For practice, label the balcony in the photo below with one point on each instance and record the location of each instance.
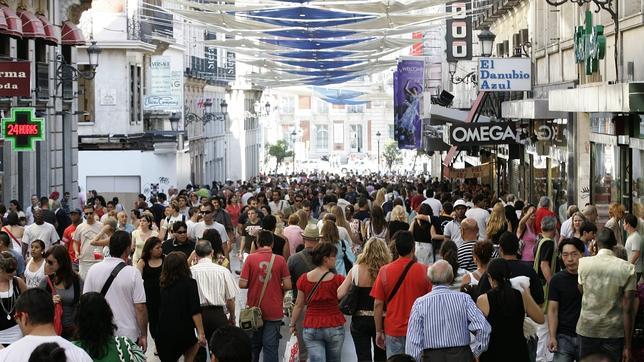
(149, 24)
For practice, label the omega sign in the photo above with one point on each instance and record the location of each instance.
(505, 74)
(483, 133)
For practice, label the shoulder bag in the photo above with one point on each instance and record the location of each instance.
(315, 287)
(345, 258)
(349, 303)
(250, 318)
(108, 283)
(58, 309)
(399, 282)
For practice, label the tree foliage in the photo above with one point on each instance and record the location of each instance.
(280, 151)
(391, 153)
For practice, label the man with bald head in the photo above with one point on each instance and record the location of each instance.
(441, 320)
(469, 233)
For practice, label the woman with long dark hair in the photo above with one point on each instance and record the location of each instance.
(179, 312)
(35, 268)
(150, 266)
(375, 225)
(66, 283)
(95, 333)
(219, 255)
(142, 234)
(10, 289)
(505, 309)
(15, 230)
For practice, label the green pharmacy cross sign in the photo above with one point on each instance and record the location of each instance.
(23, 129)
(590, 44)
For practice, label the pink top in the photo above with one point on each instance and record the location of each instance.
(294, 235)
(529, 241)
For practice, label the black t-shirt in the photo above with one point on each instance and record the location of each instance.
(361, 215)
(171, 245)
(545, 254)
(250, 239)
(518, 268)
(278, 244)
(564, 290)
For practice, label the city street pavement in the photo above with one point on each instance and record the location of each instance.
(348, 351)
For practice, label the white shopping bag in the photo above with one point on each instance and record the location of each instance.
(292, 351)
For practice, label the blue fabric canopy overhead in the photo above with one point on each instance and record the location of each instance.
(308, 24)
(313, 55)
(322, 73)
(310, 34)
(349, 102)
(321, 64)
(304, 13)
(327, 81)
(337, 93)
(313, 44)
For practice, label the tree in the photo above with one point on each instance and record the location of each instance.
(280, 151)
(391, 153)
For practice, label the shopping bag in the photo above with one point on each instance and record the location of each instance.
(292, 351)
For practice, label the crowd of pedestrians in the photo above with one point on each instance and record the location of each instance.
(424, 270)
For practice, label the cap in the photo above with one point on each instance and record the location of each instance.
(76, 211)
(460, 202)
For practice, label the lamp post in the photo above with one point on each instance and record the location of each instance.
(378, 134)
(293, 136)
(486, 38)
(455, 79)
(67, 72)
(174, 121)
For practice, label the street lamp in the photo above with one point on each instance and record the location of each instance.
(174, 121)
(455, 79)
(67, 72)
(224, 106)
(378, 134)
(486, 38)
(293, 137)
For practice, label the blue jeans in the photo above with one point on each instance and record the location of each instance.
(567, 348)
(395, 345)
(324, 344)
(268, 339)
(606, 347)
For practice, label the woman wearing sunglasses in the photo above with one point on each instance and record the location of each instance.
(58, 267)
(10, 288)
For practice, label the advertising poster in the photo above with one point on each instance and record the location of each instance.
(408, 93)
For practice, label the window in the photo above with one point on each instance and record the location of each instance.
(287, 104)
(86, 99)
(355, 108)
(321, 106)
(356, 138)
(135, 93)
(304, 102)
(321, 138)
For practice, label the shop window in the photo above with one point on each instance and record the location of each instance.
(606, 177)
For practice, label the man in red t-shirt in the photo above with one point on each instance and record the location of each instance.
(415, 284)
(253, 274)
(76, 217)
(542, 211)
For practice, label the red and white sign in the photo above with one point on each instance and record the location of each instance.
(15, 79)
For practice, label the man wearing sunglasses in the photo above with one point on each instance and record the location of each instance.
(208, 222)
(88, 254)
(179, 241)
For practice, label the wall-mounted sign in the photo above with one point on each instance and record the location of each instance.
(504, 74)
(23, 129)
(15, 79)
(590, 44)
(161, 96)
(458, 37)
(483, 133)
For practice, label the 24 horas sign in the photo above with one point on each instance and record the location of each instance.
(15, 79)
(504, 74)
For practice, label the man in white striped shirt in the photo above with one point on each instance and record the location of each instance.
(216, 289)
(441, 321)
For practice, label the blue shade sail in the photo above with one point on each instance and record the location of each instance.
(320, 64)
(313, 55)
(313, 44)
(327, 81)
(337, 93)
(292, 23)
(303, 13)
(310, 34)
(349, 102)
(322, 73)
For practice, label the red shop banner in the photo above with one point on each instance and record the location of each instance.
(15, 79)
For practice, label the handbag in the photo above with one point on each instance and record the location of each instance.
(250, 318)
(349, 303)
(348, 264)
(58, 309)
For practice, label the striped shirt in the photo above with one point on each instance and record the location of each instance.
(465, 256)
(444, 319)
(215, 283)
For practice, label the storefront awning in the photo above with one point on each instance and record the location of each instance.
(599, 97)
(71, 34)
(52, 36)
(32, 27)
(14, 24)
(529, 109)
(441, 115)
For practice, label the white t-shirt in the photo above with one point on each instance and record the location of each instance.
(452, 231)
(435, 205)
(84, 234)
(201, 227)
(126, 291)
(633, 244)
(481, 216)
(21, 350)
(566, 229)
(279, 206)
(45, 232)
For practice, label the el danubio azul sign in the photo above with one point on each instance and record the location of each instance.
(505, 74)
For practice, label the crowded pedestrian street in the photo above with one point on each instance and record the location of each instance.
(322, 180)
